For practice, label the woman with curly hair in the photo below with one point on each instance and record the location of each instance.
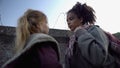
(88, 46)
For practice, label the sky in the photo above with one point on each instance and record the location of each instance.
(107, 12)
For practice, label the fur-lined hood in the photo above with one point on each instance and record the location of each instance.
(33, 39)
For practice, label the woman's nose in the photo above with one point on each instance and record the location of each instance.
(68, 23)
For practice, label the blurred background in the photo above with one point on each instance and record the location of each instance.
(107, 12)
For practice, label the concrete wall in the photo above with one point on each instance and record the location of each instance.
(7, 36)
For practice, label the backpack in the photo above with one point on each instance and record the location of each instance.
(114, 48)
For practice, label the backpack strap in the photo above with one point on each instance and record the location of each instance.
(114, 43)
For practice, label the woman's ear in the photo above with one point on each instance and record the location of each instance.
(81, 20)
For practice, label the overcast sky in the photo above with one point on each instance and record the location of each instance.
(107, 12)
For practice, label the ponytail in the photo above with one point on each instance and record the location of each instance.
(22, 33)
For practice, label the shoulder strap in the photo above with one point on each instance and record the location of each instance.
(114, 43)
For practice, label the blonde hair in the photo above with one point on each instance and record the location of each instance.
(28, 24)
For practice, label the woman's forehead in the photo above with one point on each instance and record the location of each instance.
(71, 14)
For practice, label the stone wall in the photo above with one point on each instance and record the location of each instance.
(7, 36)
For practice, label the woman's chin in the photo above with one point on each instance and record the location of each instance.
(72, 29)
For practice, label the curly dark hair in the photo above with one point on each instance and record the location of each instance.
(84, 11)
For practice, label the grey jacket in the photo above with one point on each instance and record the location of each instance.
(91, 50)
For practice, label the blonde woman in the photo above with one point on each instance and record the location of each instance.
(34, 48)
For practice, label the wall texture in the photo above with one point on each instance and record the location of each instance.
(7, 36)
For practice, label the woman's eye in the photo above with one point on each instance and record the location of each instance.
(71, 18)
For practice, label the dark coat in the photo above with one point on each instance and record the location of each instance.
(90, 50)
(40, 51)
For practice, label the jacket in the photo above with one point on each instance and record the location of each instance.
(90, 50)
(40, 51)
